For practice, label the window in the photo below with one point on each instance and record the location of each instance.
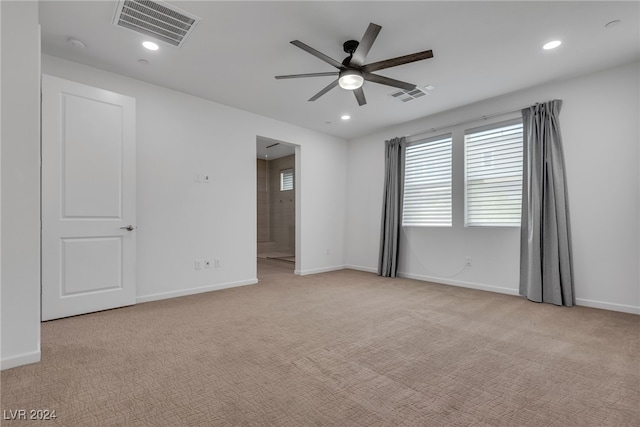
(286, 179)
(427, 183)
(493, 175)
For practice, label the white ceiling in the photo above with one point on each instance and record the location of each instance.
(481, 50)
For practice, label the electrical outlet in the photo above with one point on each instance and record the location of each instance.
(205, 178)
(217, 263)
(198, 264)
(207, 263)
(468, 261)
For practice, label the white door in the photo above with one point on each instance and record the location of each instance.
(88, 199)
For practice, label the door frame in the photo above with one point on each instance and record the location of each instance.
(297, 188)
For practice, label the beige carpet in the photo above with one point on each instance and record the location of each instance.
(337, 349)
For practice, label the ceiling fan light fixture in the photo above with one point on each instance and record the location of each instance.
(350, 79)
(354, 70)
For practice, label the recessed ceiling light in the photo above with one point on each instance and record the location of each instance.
(612, 24)
(552, 45)
(76, 43)
(150, 45)
(345, 117)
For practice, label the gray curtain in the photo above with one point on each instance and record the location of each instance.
(391, 207)
(545, 241)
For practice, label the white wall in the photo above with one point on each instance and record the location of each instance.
(599, 124)
(20, 151)
(179, 220)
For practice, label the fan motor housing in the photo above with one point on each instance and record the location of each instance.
(350, 46)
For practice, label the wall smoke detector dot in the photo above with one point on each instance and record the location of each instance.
(76, 43)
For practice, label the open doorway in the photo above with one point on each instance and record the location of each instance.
(276, 174)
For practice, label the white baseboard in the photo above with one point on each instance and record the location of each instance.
(192, 291)
(319, 270)
(361, 268)
(23, 359)
(470, 285)
(608, 306)
(579, 301)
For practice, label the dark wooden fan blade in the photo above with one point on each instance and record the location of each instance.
(394, 62)
(365, 44)
(325, 90)
(296, 76)
(388, 81)
(317, 54)
(359, 93)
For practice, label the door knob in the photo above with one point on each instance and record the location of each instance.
(128, 227)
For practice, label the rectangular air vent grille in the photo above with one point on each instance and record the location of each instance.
(155, 19)
(408, 95)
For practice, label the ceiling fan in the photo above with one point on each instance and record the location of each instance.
(353, 71)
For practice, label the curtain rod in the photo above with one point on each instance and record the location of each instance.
(484, 117)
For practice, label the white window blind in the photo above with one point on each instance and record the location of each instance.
(493, 175)
(286, 179)
(427, 183)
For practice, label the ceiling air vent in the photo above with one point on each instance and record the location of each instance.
(155, 19)
(408, 95)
